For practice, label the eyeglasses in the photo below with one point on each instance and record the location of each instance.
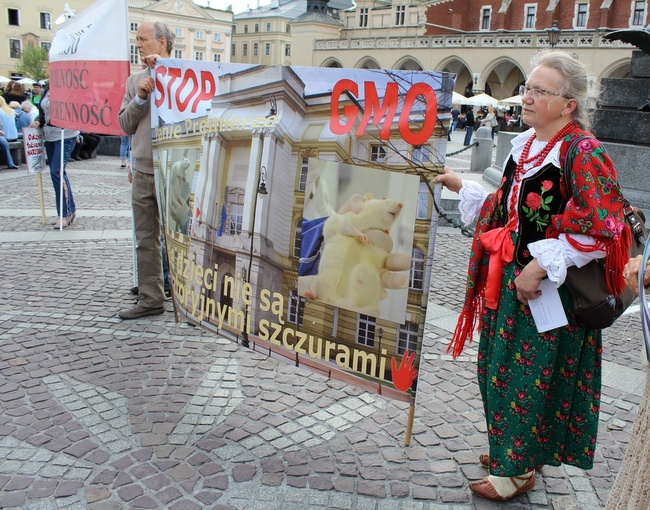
(537, 92)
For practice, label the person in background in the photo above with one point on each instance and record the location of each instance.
(85, 146)
(125, 148)
(14, 91)
(469, 126)
(490, 120)
(8, 131)
(22, 119)
(53, 149)
(455, 113)
(30, 110)
(154, 40)
(540, 390)
(36, 94)
(631, 490)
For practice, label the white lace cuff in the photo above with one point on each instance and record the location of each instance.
(472, 195)
(555, 255)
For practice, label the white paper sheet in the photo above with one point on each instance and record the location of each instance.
(547, 309)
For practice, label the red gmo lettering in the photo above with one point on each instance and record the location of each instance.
(375, 110)
(180, 89)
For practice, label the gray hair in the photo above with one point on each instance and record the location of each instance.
(575, 83)
(161, 30)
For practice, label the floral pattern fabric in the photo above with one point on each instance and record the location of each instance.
(541, 392)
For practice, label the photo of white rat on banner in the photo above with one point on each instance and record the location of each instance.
(357, 238)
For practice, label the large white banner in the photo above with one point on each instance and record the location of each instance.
(89, 65)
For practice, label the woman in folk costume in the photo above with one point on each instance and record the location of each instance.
(540, 391)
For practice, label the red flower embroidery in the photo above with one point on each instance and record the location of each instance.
(533, 200)
(547, 185)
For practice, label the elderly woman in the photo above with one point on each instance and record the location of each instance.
(30, 110)
(540, 391)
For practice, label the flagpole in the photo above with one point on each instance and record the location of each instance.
(61, 182)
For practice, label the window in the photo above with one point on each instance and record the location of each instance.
(400, 11)
(198, 55)
(531, 11)
(297, 239)
(257, 27)
(421, 153)
(366, 331)
(581, 15)
(407, 338)
(234, 29)
(133, 27)
(232, 50)
(267, 49)
(638, 17)
(302, 185)
(178, 53)
(268, 27)
(296, 307)
(236, 207)
(12, 17)
(14, 48)
(134, 55)
(245, 29)
(199, 35)
(288, 30)
(217, 37)
(46, 46)
(363, 17)
(178, 32)
(244, 50)
(287, 50)
(422, 212)
(377, 153)
(486, 13)
(46, 23)
(416, 274)
(256, 49)
(216, 57)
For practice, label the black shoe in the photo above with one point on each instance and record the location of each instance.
(168, 293)
(12, 167)
(134, 291)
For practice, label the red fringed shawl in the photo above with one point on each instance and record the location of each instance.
(595, 210)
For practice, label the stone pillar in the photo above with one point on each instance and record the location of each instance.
(482, 153)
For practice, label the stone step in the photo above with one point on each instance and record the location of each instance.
(622, 126)
(624, 93)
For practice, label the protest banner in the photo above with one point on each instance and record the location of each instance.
(297, 210)
(34, 147)
(87, 75)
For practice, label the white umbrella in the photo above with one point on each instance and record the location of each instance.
(4, 80)
(482, 100)
(26, 81)
(512, 101)
(458, 98)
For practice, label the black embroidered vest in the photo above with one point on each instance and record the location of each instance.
(541, 197)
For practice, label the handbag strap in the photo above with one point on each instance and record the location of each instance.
(638, 229)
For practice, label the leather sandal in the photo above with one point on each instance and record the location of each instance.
(486, 490)
(484, 460)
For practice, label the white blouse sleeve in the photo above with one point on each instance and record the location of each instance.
(556, 255)
(472, 195)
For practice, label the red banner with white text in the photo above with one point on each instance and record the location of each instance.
(87, 75)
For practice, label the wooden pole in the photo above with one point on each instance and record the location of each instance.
(41, 197)
(409, 425)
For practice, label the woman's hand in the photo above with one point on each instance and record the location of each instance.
(631, 274)
(527, 283)
(450, 180)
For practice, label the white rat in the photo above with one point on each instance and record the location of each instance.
(356, 265)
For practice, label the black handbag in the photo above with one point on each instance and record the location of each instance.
(593, 305)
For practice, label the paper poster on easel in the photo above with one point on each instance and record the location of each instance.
(297, 211)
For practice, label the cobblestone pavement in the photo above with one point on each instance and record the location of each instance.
(99, 413)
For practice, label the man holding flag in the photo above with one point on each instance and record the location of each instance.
(154, 40)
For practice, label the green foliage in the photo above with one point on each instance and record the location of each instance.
(33, 63)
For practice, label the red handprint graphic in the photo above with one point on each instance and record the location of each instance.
(404, 375)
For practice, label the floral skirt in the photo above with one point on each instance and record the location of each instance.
(541, 391)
